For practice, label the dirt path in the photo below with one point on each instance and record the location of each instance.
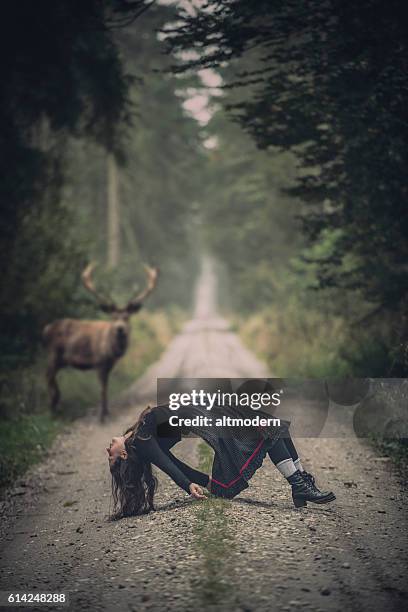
(255, 553)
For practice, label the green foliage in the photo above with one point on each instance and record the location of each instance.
(390, 413)
(162, 176)
(396, 449)
(99, 85)
(61, 75)
(40, 283)
(159, 175)
(300, 341)
(251, 223)
(328, 83)
(247, 219)
(23, 442)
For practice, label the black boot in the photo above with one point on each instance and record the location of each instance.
(304, 491)
(310, 479)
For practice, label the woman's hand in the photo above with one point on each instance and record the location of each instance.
(196, 491)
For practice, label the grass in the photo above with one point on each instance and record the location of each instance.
(27, 428)
(396, 449)
(23, 442)
(214, 541)
(296, 342)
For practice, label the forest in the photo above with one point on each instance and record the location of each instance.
(271, 135)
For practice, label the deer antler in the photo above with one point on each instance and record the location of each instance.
(106, 304)
(152, 276)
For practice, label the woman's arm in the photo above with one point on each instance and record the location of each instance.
(192, 474)
(152, 452)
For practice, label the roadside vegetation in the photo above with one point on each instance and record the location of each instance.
(297, 341)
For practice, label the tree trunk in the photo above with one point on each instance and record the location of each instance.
(113, 213)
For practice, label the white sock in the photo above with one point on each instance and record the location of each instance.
(286, 467)
(299, 465)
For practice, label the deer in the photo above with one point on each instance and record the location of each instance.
(92, 345)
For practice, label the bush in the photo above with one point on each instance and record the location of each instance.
(24, 441)
(300, 341)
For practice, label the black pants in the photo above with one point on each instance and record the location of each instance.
(283, 449)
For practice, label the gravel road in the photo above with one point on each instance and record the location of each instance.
(256, 553)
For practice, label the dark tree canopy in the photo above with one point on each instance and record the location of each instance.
(61, 75)
(328, 81)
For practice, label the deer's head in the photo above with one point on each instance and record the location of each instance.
(120, 315)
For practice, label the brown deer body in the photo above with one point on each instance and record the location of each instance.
(92, 345)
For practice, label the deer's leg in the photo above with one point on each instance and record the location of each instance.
(53, 388)
(103, 374)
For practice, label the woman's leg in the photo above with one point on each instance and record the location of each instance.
(282, 458)
(293, 452)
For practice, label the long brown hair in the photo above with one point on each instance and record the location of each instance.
(133, 483)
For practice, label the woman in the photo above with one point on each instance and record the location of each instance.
(238, 453)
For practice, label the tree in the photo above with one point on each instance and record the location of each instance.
(113, 212)
(330, 85)
(61, 76)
